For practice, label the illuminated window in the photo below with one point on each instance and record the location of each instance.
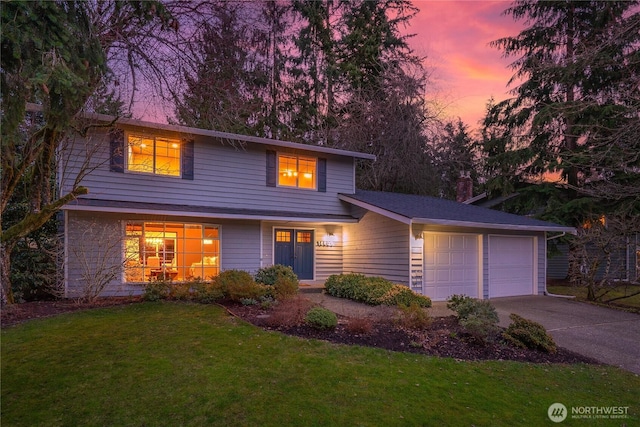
(283, 236)
(303, 237)
(294, 171)
(159, 156)
(171, 251)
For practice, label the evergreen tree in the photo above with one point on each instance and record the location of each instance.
(576, 73)
(223, 93)
(454, 153)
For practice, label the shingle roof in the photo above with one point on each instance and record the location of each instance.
(99, 205)
(416, 209)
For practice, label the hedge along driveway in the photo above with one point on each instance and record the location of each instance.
(186, 364)
(608, 335)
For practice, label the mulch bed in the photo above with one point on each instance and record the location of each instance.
(444, 338)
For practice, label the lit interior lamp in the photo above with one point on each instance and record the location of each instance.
(143, 145)
(308, 175)
(174, 145)
(208, 241)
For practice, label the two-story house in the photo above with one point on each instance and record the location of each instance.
(178, 202)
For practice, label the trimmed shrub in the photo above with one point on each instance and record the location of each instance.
(238, 285)
(156, 290)
(321, 318)
(281, 280)
(180, 291)
(403, 296)
(372, 290)
(285, 287)
(478, 318)
(206, 292)
(269, 275)
(413, 316)
(348, 286)
(526, 333)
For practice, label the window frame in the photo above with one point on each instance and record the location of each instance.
(298, 159)
(135, 249)
(154, 137)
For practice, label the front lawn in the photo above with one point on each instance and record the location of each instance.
(187, 364)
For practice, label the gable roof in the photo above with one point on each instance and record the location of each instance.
(414, 209)
(221, 135)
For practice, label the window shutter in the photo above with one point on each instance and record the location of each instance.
(187, 155)
(271, 168)
(322, 175)
(116, 150)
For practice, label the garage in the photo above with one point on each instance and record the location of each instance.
(451, 265)
(511, 266)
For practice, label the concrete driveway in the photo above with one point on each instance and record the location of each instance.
(607, 335)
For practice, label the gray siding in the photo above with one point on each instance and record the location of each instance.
(95, 239)
(622, 263)
(225, 177)
(378, 246)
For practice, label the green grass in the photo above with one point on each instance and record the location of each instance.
(581, 294)
(170, 364)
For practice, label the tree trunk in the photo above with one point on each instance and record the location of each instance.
(6, 293)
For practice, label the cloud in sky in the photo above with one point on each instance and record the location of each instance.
(454, 37)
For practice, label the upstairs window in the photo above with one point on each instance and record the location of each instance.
(296, 171)
(155, 155)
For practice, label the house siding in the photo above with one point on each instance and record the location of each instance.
(378, 246)
(621, 267)
(224, 177)
(98, 238)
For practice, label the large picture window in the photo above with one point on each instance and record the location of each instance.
(295, 171)
(167, 250)
(154, 155)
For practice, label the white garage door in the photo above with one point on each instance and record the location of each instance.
(511, 266)
(450, 265)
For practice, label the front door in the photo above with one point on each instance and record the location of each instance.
(295, 249)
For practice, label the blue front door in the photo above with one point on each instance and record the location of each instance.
(295, 249)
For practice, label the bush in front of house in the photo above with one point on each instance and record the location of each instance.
(348, 286)
(413, 316)
(321, 318)
(281, 279)
(156, 290)
(526, 333)
(401, 295)
(206, 292)
(238, 285)
(269, 275)
(372, 290)
(478, 318)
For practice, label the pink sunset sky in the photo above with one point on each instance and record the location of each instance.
(466, 72)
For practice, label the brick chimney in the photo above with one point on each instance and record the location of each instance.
(464, 187)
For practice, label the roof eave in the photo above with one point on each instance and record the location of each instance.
(374, 208)
(208, 215)
(216, 134)
(494, 226)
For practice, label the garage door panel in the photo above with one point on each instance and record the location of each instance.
(511, 266)
(451, 265)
